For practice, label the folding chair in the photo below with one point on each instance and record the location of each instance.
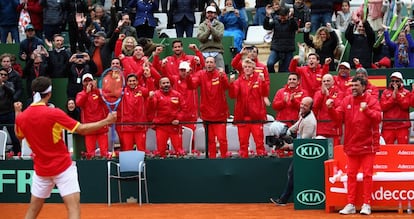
(3, 142)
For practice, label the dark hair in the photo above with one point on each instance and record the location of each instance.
(294, 73)
(314, 54)
(118, 60)
(4, 69)
(132, 75)
(57, 35)
(283, 11)
(40, 84)
(360, 79)
(176, 41)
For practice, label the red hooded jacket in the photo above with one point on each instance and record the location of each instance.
(288, 111)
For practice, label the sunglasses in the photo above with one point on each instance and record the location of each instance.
(5, 75)
(395, 81)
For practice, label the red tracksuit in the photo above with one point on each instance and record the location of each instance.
(93, 109)
(249, 93)
(236, 63)
(213, 106)
(311, 79)
(287, 112)
(132, 109)
(326, 127)
(167, 107)
(343, 83)
(371, 89)
(397, 109)
(361, 139)
(173, 62)
(133, 65)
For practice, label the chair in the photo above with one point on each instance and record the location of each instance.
(26, 150)
(171, 33)
(232, 138)
(200, 139)
(255, 35)
(129, 162)
(187, 139)
(162, 20)
(197, 16)
(151, 140)
(3, 142)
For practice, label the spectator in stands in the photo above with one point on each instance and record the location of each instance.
(132, 109)
(15, 65)
(210, 33)
(305, 128)
(36, 14)
(361, 141)
(125, 45)
(248, 91)
(182, 12)
(93, 109)
(241, 6)
(326, 127)
(324, 42)
(301, 13)
(374, 16)
(92, 3)
(284, 30)
(100, 15)
(12, 76)
(35, 67)
(343, 17)
(234, 24)
(7, 116)
(126, 27)
(343, 79)
(75, 7)
(8, 20)
(362, 43)
(79, 65)
(29, 44)
(210, 3)
(101, 49)
(58, 61)
(260, 15)
(72, 110)
(54, 17)
(321, 14)
(395, 104)
(381, 50)
(287, 100)
(145, 21)
(311, 74)
(169, 65)
(169, 106)
(403, 48)
(214, 110)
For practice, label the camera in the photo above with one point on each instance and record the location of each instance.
(79, 56)
(229, 9)
(278, 135)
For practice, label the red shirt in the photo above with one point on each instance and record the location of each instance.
(249, 93)
(325, 124)
(213, 86)
(173, 62)
(288, 111)
(42, 127)
(190, 97)
(236, 63)
(397, 108)
(133, 108)
(167, 107)
(311, 79)
(93, 108)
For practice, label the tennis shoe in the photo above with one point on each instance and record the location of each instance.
(348, 209)
(278, 201)
(365, 209)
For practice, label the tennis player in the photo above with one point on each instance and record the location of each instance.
(42, 127)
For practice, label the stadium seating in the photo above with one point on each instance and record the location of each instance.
(3, 142)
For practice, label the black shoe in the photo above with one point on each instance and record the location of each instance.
(278, 201)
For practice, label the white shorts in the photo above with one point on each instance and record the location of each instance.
(67, 183)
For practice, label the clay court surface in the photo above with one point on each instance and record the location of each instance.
(178, 211)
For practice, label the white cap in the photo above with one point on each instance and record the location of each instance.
(397, 75)
(211, 9)
(184, 65)
(345, 64)
(87, 75)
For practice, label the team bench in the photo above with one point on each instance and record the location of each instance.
(393, 179)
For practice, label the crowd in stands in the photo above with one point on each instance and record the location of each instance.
(121, 38)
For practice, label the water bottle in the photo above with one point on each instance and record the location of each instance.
(400, 208)
(409, 210)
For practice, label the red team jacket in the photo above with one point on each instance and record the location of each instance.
(133, 108)
(322, 114)
(396, 108)
(288, 110)
(93, 108)
(311, 80)
(173, 62)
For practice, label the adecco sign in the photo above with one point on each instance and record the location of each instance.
(310, 197)
(310, 151)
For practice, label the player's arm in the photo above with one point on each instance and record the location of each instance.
(86, 128)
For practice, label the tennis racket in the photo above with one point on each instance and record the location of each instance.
(111, 87)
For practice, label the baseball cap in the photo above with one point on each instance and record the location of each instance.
(211, 9)
(184, 65)
(29, 27)
(99, 34)
(345, 64)
(397, 75)
(87, 75)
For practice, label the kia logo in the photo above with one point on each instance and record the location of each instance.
(310, 197)
(310, 151)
